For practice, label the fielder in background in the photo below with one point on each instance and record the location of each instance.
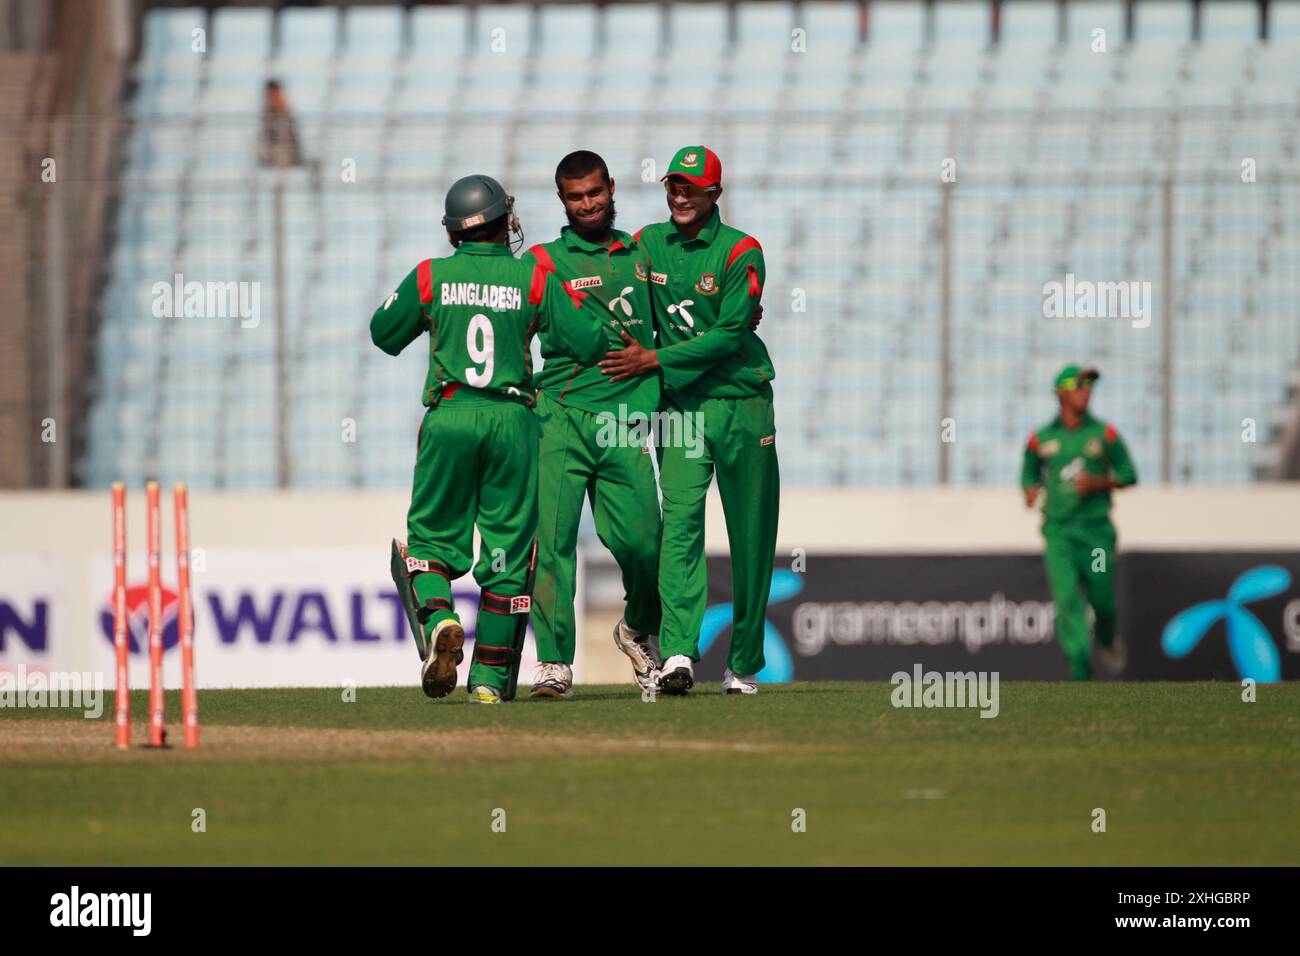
(1079, 460)
(706, 280)
(476, 452)
(588, 446)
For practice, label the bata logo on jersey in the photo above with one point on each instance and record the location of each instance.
(1093, 448)
(586, 282)
(488, 296)
(659, 278)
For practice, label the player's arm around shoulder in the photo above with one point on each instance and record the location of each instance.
(400, 318)
(560, 319)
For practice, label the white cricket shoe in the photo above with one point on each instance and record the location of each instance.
(482, 694)
(1114, 658)
(738, 683)
(444, 652)
(640, 651)
(553, 680)
(677, 676)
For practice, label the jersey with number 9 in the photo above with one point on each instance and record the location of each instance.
(481, 307)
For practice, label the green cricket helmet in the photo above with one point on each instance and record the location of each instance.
(476, 200)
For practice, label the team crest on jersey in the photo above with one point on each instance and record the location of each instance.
(708, 284)
(659, 278)
(640, 272)
(1093, 448)
(1049, 448)
(586, 282)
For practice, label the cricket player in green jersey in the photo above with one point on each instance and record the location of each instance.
(706, 279)
(595, 434)
(476, 451)
(1079, 460)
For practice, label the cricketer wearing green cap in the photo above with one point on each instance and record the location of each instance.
(706, 279)
(1079, 460)
(476, 450)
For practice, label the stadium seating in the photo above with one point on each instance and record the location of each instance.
(832, 149)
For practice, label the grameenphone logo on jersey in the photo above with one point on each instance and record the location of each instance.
(137, 613)
(1250, 645)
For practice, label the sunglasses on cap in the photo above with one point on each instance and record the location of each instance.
(683, 188)
(1070, 384)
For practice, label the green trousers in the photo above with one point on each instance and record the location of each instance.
(1080, 561)
(739, 445)
(581, 456)
(476, 464)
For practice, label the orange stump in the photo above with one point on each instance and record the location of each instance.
(185, 617)
(157, 730)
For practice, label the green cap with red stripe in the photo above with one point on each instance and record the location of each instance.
(696, 164)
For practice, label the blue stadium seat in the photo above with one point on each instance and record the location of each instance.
(631, 31)
(1085, 16)
(1229, 24)
(503, 31)
(308, 32)
(1284, 22)
(241, 35)
(1029, 24)
(895, 24)
(961, 26)
(1162, 23)
(763, 26)
(832, 25)
(567, 30)
(374, 32)
(440, 33)
(170, 32)
(697, 28)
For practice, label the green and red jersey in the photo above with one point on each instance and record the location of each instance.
(481, 307)
(704, 291)
(613, 284)
(1055, 456)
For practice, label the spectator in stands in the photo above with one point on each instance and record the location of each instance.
(278, 143)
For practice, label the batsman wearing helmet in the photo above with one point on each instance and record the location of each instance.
(476, 451)
(706, 279)
(1079, 460)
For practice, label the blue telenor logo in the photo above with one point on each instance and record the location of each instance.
(778, 667)
(1251, 645)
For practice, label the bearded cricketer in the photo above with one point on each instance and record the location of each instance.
(584, 419)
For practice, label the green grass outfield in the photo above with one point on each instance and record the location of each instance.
(1187, 774)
